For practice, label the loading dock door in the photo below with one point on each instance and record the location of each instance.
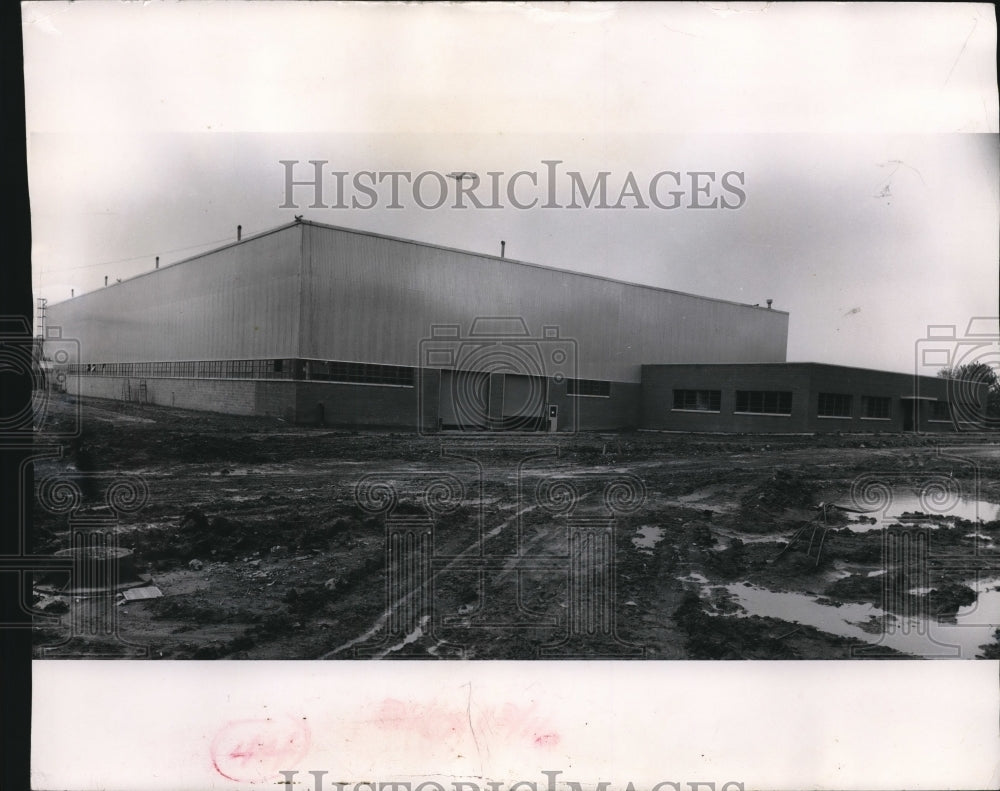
(523, 402)
(478, 400)
(464, 400)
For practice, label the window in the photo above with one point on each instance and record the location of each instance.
(764, 402)
(698, 400)
(361, 373)
(256, 369)
(940, 410)
(834, 405)
(588, 387)
(968, 409)
(876, 407)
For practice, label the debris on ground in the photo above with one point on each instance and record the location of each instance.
(256, 533)
(140, 594)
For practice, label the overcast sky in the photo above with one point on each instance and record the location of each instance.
(865, 136)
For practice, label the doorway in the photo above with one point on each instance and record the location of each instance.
(484, 401)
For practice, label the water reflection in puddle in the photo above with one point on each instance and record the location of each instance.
(972, 627)
(910, 507)
(648, 536)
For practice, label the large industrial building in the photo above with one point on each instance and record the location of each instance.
(323, 325)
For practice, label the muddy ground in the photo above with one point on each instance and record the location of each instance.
(270, 541)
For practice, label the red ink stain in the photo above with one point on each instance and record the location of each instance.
(253, 751)
(432, 721)
(437, 722)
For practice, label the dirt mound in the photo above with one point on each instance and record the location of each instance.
(219, 538)
(857, 587)
(948, 598)
(782, 490)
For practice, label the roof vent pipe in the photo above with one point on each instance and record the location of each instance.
(769, 303)
(503, 246)
(157, 262)
(239, 232)
(72, 293)
(105, 280)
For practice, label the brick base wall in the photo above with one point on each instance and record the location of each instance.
(231, 396)
(618, 411)
(356, 405)
(805, 381)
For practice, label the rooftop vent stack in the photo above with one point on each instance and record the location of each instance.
(157, 262)
(769, 303)
(105, 280)
(72, 293)
(503, 246)
(239, 232)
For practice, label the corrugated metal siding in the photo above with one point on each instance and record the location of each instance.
(241, 302)
(373, 299)
(370, 299)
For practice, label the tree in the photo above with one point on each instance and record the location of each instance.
(984, 374)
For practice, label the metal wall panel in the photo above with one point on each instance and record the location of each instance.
(373, 299)
(240, 302)
(365, 298)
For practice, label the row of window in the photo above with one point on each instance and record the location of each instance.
(314, 370)
(588, 387)
(842, 405)
(700, 400)
(206, 369)
(363, 373)
(940, 410)
(254, 369)
(779, 402)
(764, 402)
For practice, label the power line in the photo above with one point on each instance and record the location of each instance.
(138, 257)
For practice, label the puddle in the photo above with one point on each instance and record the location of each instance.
(763, 538)
(910, 507)
(973, 625)
(712, 492)
(716, 498)
(412, 637)
(685, 502)
(648, 537)
(230, 471)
